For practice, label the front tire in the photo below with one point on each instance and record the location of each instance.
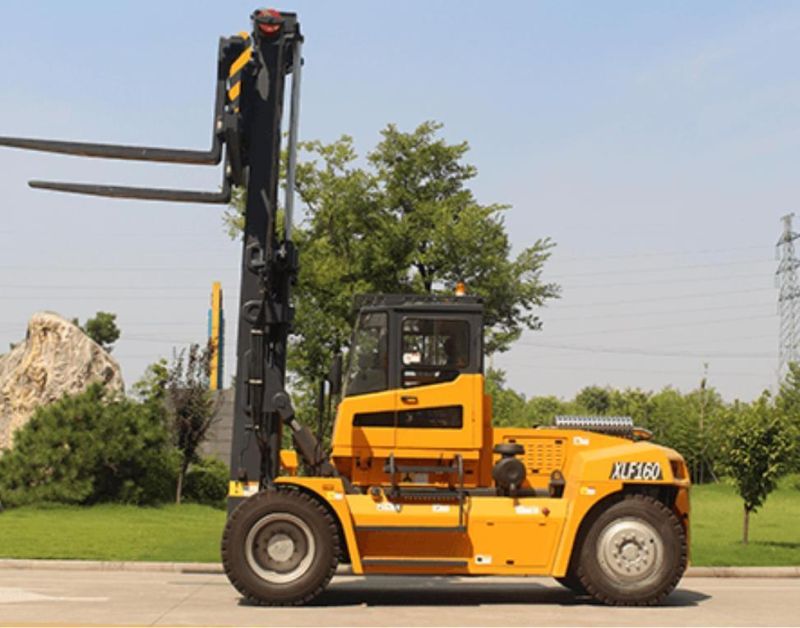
(280, 547)
(634, 553)
(571, 582)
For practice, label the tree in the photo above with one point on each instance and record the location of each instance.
(594, 399)
(190, 407)
(152, 387)
(406, 221)
(756, 452)
(543, 410)
(508, 406)
(788, 404)
(631, 402)
(87, 448)
(102, 328)
(445, 236)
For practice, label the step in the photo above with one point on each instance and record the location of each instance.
(422, 468)
(457, 528)
(414, 562)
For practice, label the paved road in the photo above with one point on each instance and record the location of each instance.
(55, 597)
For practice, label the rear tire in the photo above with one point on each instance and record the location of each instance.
(280, 548)
(634, 553)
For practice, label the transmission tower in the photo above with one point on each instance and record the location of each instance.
(788, 298)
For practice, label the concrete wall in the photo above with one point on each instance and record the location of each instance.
(218, 443)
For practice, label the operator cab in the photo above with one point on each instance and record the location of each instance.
(413, 386)
(405, 341)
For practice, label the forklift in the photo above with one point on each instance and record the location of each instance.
(417, 481)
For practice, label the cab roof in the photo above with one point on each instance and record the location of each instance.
(429, 302)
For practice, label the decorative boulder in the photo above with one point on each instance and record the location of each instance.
(55, 359)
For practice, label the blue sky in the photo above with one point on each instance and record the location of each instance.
(657, 143)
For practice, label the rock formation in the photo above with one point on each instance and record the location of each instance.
(56, 358)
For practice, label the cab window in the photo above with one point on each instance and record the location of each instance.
(433, 350)
(368, 361)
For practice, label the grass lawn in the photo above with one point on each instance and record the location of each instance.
(192, 533)
(185, 533)
(717, 514)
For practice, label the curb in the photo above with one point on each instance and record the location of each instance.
(216, 568)
(742, 572)
(110, 565)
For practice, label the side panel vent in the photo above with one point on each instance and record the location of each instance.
(542, 455)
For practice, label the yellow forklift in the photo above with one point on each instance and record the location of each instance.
(417, 480)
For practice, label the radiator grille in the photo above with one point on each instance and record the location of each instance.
(615, 425)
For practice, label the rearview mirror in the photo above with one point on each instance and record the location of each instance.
(335, 375)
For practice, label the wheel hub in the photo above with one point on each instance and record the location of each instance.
(280, 548)
(630, 550)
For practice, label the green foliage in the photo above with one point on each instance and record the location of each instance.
(181, 392)
(596, 400)
(89, 448)
(788, 404)
(788, 399)
(756, 450)
(508, 406)
(152, 387)
(543, 410)
(406, 221)
(207, 483)
(102, 329)
(689, 423)
(189, 401)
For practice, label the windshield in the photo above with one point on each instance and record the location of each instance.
(367, 368)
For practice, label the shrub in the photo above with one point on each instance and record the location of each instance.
(207, 483)
(89, 448)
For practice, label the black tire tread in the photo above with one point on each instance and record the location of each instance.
(571, 582)
(335, 553)
(678, 571)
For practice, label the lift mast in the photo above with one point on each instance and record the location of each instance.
(248, 110)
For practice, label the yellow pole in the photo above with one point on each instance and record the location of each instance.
(215, 335)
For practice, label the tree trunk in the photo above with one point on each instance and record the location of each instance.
(746, 529)
(179, 489)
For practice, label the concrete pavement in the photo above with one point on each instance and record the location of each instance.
(69, 597)
(215, 568)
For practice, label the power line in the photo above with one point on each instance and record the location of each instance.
(114, 269)
(103, 297)
(731, 339)
(558, 319)
(126, 325)
(649, 352)
(660, 253)
(156, 339)
(660, 327)
(661, 282)
(62, 286)
(664, 269)
(672, 297)
(600, 371)
(105, 268)
(198, 289)
(220, 268)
